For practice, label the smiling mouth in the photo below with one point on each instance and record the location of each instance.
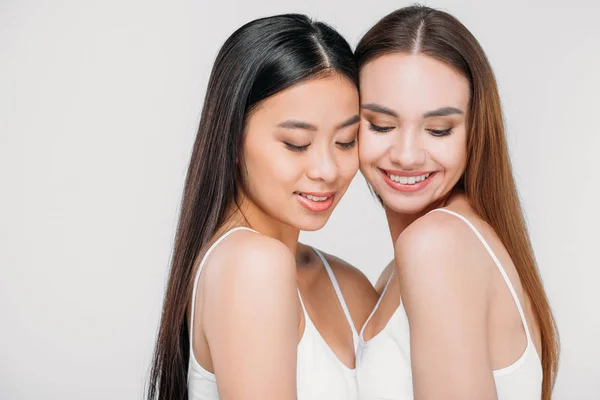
(316, 202)
(408, 180)
(311, 197)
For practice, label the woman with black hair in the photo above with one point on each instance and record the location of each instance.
(249, 313)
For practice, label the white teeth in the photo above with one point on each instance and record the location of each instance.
(314, 198)
(408, 180)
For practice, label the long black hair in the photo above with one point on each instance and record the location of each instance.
(258, 60)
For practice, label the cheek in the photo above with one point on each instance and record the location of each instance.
(285, 169)
(370, 149)
(268, 167)
(452, 156)
(348, 165)
(273, 169)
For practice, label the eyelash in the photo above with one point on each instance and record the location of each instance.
(298, 149)
(294, 148)
(348, 145)
(380, 129)
(434, 132)
(440, 133)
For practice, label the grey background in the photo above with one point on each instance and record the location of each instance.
(99, 102)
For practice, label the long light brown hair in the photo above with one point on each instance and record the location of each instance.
(488, 180)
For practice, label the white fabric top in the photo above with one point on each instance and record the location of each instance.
(320, 375)
(383, 363)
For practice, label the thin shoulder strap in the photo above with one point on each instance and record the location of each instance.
(303, 306)
(498, 264)
(362, 331)
(338, 291)
(206, 255)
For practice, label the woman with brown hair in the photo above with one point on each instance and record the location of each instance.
(463, 313)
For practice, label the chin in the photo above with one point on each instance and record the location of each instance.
(313, 223)
(406, 206)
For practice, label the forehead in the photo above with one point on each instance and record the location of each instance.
(312, 99)
(412, 82)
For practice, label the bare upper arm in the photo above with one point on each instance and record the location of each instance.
(444, 281)
(251, 319)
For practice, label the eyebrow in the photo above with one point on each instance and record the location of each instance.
(440, 112)
(294, 124)
(350, 121)
(380, 109)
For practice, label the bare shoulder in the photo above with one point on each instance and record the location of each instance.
(436, 226)
(245, 247)
(440, 251)
(251, 260)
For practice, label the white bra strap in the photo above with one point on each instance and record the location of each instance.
(197, 278)
(338, 291)
(498, 264)
(362, 331)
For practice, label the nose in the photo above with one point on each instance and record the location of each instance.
(407, 150)
(323, 166)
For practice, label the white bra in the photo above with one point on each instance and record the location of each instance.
(320, 375)
(383, 365)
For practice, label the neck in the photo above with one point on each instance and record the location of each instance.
(250, 215)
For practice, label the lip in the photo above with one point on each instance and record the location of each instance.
(406, 188)
(316, 206)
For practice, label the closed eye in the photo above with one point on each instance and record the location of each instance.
(380, 129)
(293, 147)
(346, 145)
(440, 132)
